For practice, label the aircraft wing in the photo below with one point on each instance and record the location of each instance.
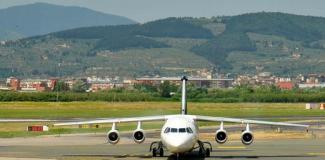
(246, 121)
(195, 117)
(116, 120)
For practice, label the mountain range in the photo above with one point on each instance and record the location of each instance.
(283, 44)
(42, 18)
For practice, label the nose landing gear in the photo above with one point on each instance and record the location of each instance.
(157, 149)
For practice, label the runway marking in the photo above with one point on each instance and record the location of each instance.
(316, 154)
(232, 147)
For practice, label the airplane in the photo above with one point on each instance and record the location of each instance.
(180, 133)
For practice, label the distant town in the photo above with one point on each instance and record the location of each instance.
(205, 80)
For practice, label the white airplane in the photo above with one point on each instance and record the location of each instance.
(180, 133)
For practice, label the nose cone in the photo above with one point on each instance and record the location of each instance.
(179, 143)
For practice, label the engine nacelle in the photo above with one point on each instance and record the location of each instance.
(247, 137)
(221, 136)
(113, 137)
(139, 136)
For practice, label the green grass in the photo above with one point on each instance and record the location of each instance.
(21, 132)
(67, 110)
(63, 110)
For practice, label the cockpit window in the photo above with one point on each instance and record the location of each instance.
(167, 130)
(182, 130)
(189, 130)
(178, 130)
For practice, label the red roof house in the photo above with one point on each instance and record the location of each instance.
(286, 85)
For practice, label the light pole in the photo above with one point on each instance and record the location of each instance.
(58, 87)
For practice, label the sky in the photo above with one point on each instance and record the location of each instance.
(147, 10)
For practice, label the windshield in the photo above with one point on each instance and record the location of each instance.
(178, 130)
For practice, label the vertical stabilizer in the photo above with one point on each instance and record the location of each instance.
(184, 103)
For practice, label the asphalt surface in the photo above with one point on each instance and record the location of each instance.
(91, 146)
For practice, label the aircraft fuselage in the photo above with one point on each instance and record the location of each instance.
(180, 134)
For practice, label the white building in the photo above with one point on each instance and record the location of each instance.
(312, 85)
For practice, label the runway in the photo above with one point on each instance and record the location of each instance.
(91, 146)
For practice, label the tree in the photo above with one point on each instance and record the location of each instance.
(166, 88)
(145, 87)
(61, 86)
(80, 86)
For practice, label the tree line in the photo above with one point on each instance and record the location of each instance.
(170, 92)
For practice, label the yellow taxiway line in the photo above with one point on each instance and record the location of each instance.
(316, 154)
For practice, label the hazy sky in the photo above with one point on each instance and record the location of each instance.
(146, 10)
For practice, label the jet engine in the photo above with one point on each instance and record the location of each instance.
(247, 136)
(221, 135)
(113, 137)
(138, 136)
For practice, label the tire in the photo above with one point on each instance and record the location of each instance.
(201, 153)
(207, 152)
(154, 152)
(161, 152)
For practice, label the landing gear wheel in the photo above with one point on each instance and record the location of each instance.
(207, 152)
(154, 152)
(201, 153)
(161, 152)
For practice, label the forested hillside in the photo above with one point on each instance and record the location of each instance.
(280, 43)
(116, 38)
(292, 27)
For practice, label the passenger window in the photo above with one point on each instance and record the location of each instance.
(167, 130)
(189, 130)
(182, 130)
(174, 130)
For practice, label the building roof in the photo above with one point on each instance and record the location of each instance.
(285, 85)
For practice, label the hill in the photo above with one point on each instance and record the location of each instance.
(283, 44)
(42, 18)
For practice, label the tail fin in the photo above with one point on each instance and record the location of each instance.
(184, 103)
